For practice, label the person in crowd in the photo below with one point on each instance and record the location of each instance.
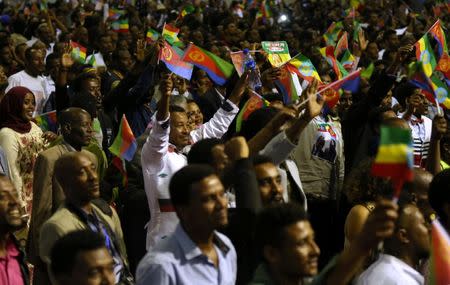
(195, 250)
(81, 258)
(13, 268)
(76, 128)
(403, 251)
(289, 254)
(440, 200)
(162, 153)
(21, 139)
(416, 106)
(77, 175)
(32, 78)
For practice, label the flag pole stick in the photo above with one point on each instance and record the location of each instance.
(327, 87)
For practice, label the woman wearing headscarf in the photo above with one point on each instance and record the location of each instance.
(21, 140)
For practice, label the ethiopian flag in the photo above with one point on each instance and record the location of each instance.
(170, 33)
(440, 255)
(395, 154)
(152, 36)
(124, 145)
(424, 54)
(332, 33)
(187, 10)
(78, 52)
(328, 54)
(121, 26)
(217, 69)
(303, 67)
(348, 61)
(342, 45)
(254, 103)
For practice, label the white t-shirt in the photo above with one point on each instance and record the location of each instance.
(35, 84)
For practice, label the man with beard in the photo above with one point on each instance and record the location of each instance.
(13, 269)
(402, 252)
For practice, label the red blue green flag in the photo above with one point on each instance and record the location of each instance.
(217, 69)
(254, 103)
(124, 145)
(47, 121)
(171, 56)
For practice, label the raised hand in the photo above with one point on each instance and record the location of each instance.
(237, 148)
(315, 102)
(66, 57)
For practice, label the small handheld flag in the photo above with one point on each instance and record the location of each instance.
(47, 121)
(124, 145)
(78, 52)
(217, 69)
(304, 68)
(171, 56)
(254, 103)
(425, 54)
(395, 157)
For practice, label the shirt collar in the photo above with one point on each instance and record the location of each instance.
(190, 249)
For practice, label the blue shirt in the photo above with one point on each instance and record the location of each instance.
(178, 260)
(3, 163)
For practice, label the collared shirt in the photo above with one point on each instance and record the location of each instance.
(178, 260)
(10, 273)
(390, 270)
(160, 160)
(421, 135)
(96, 225)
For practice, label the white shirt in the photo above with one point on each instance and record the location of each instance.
(160, 160)
(421, 135)
(389, 270)
(35, 84)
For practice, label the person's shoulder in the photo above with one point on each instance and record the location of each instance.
(165, 252)
(61, 217)
(54, 151)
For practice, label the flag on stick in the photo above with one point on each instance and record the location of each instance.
(124, 145)
(217, 69)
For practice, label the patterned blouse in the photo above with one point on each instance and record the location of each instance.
(21, 151)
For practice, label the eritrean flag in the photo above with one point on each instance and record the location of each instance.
(440, 255)
(331, 92)
(444, 66)
(328, 54)
(47, 121)
(152, 36)
(342, 45)
(254, 103)
(367, 73)
(78, 52)
(288, 85)
(115, 14)
(303, 67)
(171, 56)
(217, 69)
(124, 145)
(121, 26)
(439, 35)
(424, 54)
(395, 155)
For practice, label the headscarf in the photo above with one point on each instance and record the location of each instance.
(11, 108)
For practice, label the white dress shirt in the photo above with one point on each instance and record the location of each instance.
(160, 160)
(389, 270)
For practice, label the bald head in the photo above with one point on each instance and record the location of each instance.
(76, 172)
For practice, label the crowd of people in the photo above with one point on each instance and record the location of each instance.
(216, 192)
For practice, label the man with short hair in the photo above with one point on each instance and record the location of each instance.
(195, 251)
(13, 269)
(269, 180)
(162, 154)
(77, 174)
(289, 254)
(31, 77)
(76, 129)
(402, 252)
(81, 258)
